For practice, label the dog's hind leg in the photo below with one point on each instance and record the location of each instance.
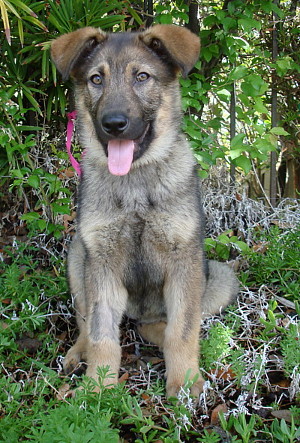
(77, 353)
(153, 332)
(221, 289)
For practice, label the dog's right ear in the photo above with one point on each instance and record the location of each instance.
(68, 49)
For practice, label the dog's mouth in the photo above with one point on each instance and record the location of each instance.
(122, 153)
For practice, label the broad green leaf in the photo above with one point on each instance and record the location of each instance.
(42, 224)
(239, 72)
(247, 24)
(242, 246)
(264, 144)
(237, 141)
(214, 49)
(277, 130)
(17, 173)
(224, 95)
(229, 23)
(283, 65)
(30, 216)
(223, 238)
(259, 106)
(60, 209)
(238, 42)
(209, 21)
(206, 54)
(244, 163)
(235, 153)
(220, 15)
(254, 86)
(166, 19)
(34, 181)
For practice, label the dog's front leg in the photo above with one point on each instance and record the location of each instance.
(106, 301)
(182, 293)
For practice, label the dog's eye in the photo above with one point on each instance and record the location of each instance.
(142, 76)
(96, 79)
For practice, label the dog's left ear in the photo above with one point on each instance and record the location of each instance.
(179, 43)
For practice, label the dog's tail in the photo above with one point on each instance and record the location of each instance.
(221, 289)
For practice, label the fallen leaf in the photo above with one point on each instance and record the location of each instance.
(224, 374)
(215, 419)
(31, 345)
(261, 247)
(285, 383)
(284, 413)
(124, 377)
(62, 336)
(69, 173)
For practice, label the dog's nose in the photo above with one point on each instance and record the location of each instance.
(114, 124)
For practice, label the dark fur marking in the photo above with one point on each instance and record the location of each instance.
(104, 323)
(95, 323)
(158, 48)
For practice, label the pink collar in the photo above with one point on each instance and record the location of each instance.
(70, 129)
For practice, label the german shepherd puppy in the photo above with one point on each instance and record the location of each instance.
(139, 246)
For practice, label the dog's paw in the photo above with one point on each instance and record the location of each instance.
(72, 361)
(197, 387)
(173, 387)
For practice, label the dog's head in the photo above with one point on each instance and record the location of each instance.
(127, 82)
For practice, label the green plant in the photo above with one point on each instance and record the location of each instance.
(142, 425)
(279, 262)
(71, 423)
(283, 432)
(224, 245)
(290, 348)
(52, 199)
(243, 427)
(21, 13)
(217, 346)
(271, 323)
(209, 437)
(14, 147)
(27, 294)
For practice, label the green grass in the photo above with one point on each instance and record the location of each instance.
(249, 357)
(276, 262)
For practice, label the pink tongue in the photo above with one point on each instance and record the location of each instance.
(120, 156)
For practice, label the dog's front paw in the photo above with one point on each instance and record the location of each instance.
(174, 385)
(72, 360)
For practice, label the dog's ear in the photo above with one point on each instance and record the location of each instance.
(180, 44)
(68, 49)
